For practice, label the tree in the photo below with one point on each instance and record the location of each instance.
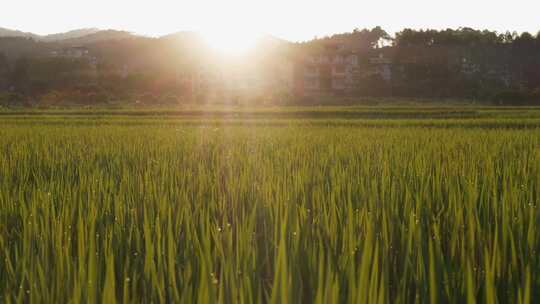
(508, 37)
(364, 39)
(378, 37)
(526, 36)
(4, 71)
(3, 61)
(20, 78)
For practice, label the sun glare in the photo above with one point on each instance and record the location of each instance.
(231, 41)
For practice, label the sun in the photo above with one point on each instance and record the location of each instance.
(231, 41)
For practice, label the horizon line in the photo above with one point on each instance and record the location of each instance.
(262, 33)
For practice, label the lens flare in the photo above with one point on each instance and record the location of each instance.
(231, 41)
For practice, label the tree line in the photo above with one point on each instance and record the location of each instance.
(501, 68)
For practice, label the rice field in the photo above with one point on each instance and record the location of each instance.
(284, 206)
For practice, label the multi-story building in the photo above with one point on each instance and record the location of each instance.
(382, 66)
(332, 70)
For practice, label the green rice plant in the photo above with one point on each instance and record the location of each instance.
(129, 209)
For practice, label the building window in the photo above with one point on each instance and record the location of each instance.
(353, 59)
(338, 83)
(339, 69)
(311, 83)
(312, 70)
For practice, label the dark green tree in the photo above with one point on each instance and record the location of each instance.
(4, 71)
(20, 78)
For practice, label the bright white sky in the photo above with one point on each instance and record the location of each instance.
(288, 19)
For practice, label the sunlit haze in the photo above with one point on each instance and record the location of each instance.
(230, 40)
(292, 20)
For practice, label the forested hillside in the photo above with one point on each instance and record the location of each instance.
(89, 66)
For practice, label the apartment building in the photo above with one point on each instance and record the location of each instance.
(332, 70)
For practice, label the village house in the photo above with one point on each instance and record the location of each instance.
(337, 70)
(76, 53)
(71, 52)
(332, 70)
(381, 66)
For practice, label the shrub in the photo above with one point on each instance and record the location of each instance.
(511, 97)
(12, 99)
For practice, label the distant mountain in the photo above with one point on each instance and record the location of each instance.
(80, 36)
(193, 40)
(272, 42)
(69, 35)
(130, 49)
(93, 35)
(4, 32)
(182, 35)
(183, 38)
(101, 35)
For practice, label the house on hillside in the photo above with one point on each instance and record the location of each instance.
(71, 52)
(76, 53)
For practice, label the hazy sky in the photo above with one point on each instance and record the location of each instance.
(289, 19)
